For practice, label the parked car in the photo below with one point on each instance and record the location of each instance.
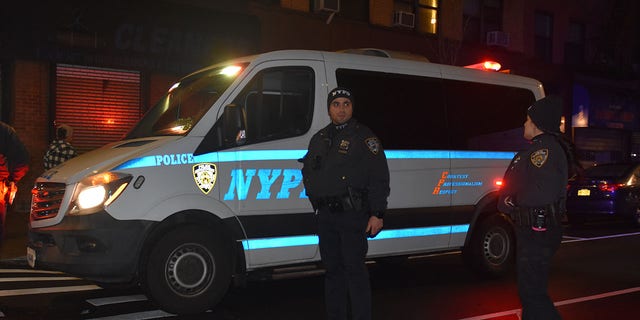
(609, 191)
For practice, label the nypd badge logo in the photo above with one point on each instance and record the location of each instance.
(373, 144)
(539, 157)
(205, 175)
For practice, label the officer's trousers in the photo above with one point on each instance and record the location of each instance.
(3, 217)
(534, 252)
(343, 248)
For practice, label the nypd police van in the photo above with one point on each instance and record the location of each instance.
(207, 187)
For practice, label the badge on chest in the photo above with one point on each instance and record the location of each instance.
(343, 147)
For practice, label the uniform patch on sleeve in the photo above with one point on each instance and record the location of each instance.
(539, 157)
(373, 144)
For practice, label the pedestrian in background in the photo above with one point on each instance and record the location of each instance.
(14, 164)
(60, 149)
(347, 180)
(534, 195)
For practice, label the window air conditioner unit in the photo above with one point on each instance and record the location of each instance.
(497, 38)
(404, 19)
(327, 5)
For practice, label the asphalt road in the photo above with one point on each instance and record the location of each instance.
(595, 275)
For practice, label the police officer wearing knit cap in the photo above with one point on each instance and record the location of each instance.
(346, 177)
(533, 196)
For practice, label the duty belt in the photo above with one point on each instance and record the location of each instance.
(350, 201)
(336, 204)
(526, 216)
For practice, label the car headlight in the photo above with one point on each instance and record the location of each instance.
(96, 192)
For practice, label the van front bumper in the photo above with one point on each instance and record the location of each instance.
(97, 247)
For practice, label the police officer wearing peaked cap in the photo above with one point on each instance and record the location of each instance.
(347, 180)
(533, 196)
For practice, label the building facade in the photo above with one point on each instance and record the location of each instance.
(98, 66)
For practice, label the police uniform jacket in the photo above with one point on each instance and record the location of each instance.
(537, 176)
(351, 157)
(14, 158)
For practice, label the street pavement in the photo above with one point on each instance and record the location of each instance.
(15, 242)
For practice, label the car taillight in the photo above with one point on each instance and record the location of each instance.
(603, 186)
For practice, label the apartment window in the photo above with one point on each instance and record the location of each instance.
(574, 48)
(543, 40)
(427, 16)
(480, 17)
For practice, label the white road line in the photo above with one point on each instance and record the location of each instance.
(598, 296)
(22, 292)
(604, 237)
(37, 279)
(573, 238)
(154, 314)
(119, 299)
(559, 303)
(28, 271)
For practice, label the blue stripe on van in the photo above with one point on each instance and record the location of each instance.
(262, 155)
(307, 240)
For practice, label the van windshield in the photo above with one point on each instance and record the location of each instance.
(185, 103)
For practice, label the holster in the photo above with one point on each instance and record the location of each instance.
(353, 200)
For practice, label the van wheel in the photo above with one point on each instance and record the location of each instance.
(188, 270)
(491, 250)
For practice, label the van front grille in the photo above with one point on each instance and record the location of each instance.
(46, 198)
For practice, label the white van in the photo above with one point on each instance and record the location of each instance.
(208, 188)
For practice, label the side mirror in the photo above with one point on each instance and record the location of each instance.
(233, 124)
(227, 132)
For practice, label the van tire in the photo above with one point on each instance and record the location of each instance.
(491, 250)
(188, 270)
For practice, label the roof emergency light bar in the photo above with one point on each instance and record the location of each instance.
(486, 66)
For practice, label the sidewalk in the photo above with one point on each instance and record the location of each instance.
(15, 242)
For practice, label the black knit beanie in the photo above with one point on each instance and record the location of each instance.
(546, 113)
(339, 92)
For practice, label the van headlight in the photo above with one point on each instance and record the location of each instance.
(96, 192)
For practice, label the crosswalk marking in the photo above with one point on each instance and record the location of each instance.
(97, 302)
(28, 271)
(37, 279)
(153, 314)
(22, 292)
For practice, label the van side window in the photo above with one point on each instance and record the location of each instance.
(418, 112)
(406, 112)
(485, 116)
(277, 103)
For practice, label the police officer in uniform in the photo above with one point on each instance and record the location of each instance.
(347, 180)
(533, 196)
(14, 164)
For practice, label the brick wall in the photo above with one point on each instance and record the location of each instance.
(30, 118)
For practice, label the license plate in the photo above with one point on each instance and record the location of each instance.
(31, 257)
(584, 192)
